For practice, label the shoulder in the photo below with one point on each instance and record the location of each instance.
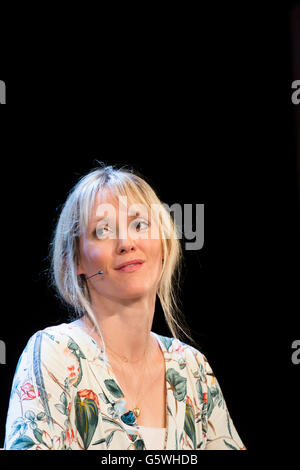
(54, 337)
(174, 345)
(184, 352)
(191, 358)
(55, 344)
(53, 356)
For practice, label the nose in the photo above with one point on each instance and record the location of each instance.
(125, 245)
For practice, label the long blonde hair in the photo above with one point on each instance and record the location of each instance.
(74, 217)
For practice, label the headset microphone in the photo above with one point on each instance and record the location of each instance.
(99, 272)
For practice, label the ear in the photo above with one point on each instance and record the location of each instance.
(79, 270)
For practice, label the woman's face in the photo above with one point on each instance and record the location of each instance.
(106, 245)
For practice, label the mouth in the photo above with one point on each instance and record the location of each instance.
(130, 268)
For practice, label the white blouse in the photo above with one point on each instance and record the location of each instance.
(65, 396)
(154, 438)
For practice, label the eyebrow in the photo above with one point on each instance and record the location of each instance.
(138, 214)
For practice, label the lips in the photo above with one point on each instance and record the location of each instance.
(127, 263)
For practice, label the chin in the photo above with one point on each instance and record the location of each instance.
(134, 293)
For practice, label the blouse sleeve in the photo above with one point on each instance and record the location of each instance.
(41, 407)
(221, 433)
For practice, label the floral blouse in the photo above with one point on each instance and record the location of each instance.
(65, 396)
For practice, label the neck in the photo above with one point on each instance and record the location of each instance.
(126, 327)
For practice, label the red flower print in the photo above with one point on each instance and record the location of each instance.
(189, 401)
(28, 392)
(205, 397)
(69, 437)
(73, 371)
(89, 394)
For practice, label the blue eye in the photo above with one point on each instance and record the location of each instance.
(99, 233)
(138, 222)
(103, 231)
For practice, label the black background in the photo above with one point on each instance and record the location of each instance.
(200, 104)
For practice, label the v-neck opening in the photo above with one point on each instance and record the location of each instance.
(112, 374)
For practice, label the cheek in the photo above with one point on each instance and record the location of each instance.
(91, 253)
(151, 248)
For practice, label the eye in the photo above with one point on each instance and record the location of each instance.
(139, 223)
(101, 232)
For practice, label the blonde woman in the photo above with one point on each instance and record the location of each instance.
(105, 380)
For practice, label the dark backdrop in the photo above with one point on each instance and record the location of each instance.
(208, 119)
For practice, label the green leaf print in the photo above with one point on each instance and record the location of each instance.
(104, 398)
(178, 384)
(64, 407)
(75, 349)
(139, 444)
(166, 341)
(37, 368)
(230, 445)
(199, 391)
(109, 438)
(210, 403)
(38, 434)
(86, 418)
(99, 442)
(202, 373)
(113, 388)
(228, 423)
(22, 443)
(61, 408)
(18, 426)
(189, 424)
(63, 399)
(29, 414)
(214, 397)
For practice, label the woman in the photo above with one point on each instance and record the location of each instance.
(105, 380)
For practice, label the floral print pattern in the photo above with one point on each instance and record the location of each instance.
(65, 396)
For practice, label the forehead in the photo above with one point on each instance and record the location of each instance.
(107, 203)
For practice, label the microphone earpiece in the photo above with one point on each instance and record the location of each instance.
(99, 272)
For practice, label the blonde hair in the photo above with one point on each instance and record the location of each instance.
(73, 220)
